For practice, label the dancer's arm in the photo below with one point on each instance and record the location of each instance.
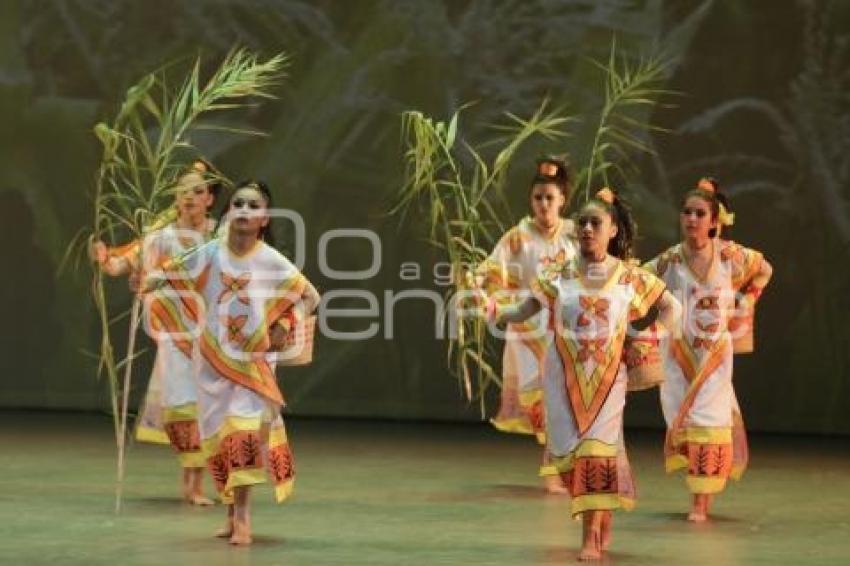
(517, 312)
(112, 262)
(669, 311)
(280, 329)
(310, 299)
(753, 290)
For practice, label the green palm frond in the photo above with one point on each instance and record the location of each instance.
(457, 185)
(631, 92)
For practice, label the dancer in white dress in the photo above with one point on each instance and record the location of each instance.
(592, 299)
(237, 294)
(170, 411)
(713, 279)
(539, 242)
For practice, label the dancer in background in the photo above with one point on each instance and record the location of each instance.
(170, 412)
(244, 296)
(592, 298)
(705, 431)
(540, 241)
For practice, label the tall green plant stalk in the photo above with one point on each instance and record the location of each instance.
(140, 164)
(458, 186)
(631, 91)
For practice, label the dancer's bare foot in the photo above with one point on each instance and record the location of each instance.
(226, 531)
(200, 499)
(592, 548)
(555, 485)
(699, 508)
(193, 487)
(591, 532)
(241, 534)
(606, 529)
(509, 405)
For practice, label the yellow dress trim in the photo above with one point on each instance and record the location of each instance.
(708, 435)
(515, 425)
(586, 448)
(530, 397)
(187, 412)
(601, 502)
(192, 460)
(548, 470)
(703, 485)
(283, 491)
(737, 471)
(241, 478)
(676, 462)
(230, 425)
(151, 435)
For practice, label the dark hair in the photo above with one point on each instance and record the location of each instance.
(561, 176)
(210, 174)
(714, 198)
(265, 231)
(621, 245)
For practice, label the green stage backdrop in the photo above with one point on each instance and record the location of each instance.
(762, 105)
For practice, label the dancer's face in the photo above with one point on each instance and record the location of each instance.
(595, 230)
(546, 203)
(193, 196)
(695, 219)
(248, 212)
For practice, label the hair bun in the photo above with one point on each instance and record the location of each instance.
(708, 185)
(606, 195)
(548, 168)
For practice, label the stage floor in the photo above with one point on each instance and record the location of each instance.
(404, 493)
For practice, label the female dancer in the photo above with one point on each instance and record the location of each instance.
(705, 432)
(171, 400)
(243, 295)
(535, 244)
(592, 299)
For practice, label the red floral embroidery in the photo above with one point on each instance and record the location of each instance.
(732, 252)
(595, 306)
(551, 267)
(592, 475)
(592, 349)
(708, 335)
(281, 464)
(184, 435)
(536, 415)
(233, 326)
(235, 286)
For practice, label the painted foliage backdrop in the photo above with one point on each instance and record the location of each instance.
(763, 105)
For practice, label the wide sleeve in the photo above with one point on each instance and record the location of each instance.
(647, 289)
(745, 263)
(186, 272)
(501, 271)
(294, 299)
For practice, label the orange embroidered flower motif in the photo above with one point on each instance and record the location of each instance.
(592, 349)
(593, 306)
(235, 286)
(707, 337)
(233, 325)
(636, 279)
(550, 267)
(733, 252)
(558, 259)
(704, 301)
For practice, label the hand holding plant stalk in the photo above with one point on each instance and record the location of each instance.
(140, 163)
